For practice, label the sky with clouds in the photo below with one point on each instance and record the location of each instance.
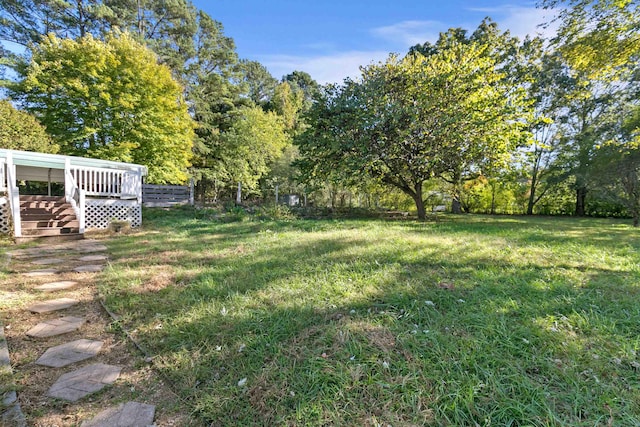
(331, 39)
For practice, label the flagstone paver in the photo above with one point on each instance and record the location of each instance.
(89, 268)
(71, 352)
(79, 383)
(48, 261)
(130, 414)
(93, 258)
(38, 273)
(10, 411)
(93, 248)
(52, 305)
(54, 327)
(56, 286)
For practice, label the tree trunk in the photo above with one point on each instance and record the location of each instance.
(581, 195)
(239, 194)
(636, 219)
(532, 196)
(493, 199)
(417, 197)
(456, 206)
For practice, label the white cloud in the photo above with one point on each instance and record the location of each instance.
(327, 65)
(522, 21)
(410, 33)
(328, 68)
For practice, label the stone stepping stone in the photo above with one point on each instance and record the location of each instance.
(93, 258)
(48, 261)
(56, 286)
(130, 414)
(39, 273)
(54, 327)
(79, 383)
(52, 305)
(89, 268)
(71, 352)
(93, 248)
(10, 411)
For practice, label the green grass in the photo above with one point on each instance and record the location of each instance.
(471, 320)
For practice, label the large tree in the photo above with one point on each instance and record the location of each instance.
(255, 140)
(19, 130)
(413, 119)
(109, 100)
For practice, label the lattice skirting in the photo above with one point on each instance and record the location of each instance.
(5, 216)
(99, 212)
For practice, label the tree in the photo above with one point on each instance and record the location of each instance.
(109, 100)
(598, 36)
(215, 99)
(254, 141)
(500, 48)
(301, 80)
(414, 119)
(261, 84)
(21, 131)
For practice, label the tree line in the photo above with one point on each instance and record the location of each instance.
(155, 82)
(485, 119)
(480, 120)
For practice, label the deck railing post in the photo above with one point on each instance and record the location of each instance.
(14, 196)
(81, 210)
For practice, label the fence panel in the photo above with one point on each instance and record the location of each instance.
(166, 195)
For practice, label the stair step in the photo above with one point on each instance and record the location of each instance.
(50, 231)
(50, 223)
(44, 206)
(47, 217)
(31, 198)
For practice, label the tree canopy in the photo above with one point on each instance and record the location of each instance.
(416, 118)
(109, 100)
(21, 131)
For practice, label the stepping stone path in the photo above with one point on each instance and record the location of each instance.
(55, 327)
(38, 273)
(125, 415)
(47, 261)
(93, 258)
(52, 305)
(12, 415)
(89, 268)
(78, 383)
(81, 382)
(71, 352)
(56, 286)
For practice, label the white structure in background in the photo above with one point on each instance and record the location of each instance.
(98, 190)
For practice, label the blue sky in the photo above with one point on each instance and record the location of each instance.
(330, 39)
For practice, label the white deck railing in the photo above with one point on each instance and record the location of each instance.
(14, 196)
(98, 182)
(76, 196)
(3, 176)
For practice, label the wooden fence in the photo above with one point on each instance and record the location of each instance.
(163, 196)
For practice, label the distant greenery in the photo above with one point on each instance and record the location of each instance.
(471, 320)
(478, 121)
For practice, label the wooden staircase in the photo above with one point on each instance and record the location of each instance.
(45, 216)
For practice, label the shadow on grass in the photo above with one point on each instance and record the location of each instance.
(336, 324)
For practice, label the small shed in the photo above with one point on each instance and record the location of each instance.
(96, 192)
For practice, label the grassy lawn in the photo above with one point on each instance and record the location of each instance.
(468, 321)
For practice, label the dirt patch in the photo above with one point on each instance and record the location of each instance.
(378, 336)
